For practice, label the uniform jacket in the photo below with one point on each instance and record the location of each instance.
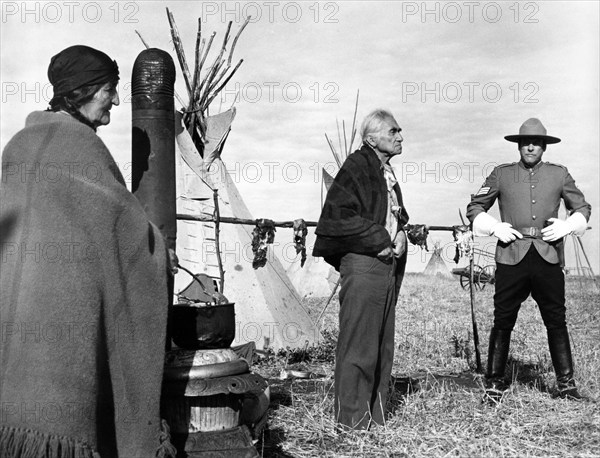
(83, 300)
(527, 197)
(355, 210)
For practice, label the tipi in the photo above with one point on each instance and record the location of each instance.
(436, 265)
(268, 308)
(316, 278)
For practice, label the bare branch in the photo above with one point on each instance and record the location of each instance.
(225, 82)
(199, 87)
(332, 148)
(345, 143)
(142, 38)
(354, 120)
(197, 60)
(236, 39)
(180, 53)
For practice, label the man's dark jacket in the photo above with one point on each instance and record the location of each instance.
(354, 214)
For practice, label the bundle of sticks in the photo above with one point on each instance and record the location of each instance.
(202, 90)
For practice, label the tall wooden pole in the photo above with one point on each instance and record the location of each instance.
(473, 319)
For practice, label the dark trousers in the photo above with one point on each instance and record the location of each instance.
(533, 275)
(365, 349)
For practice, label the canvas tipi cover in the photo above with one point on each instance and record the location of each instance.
(316, 278)
(268, 308)
(436, 265)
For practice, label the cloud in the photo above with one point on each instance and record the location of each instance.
(456, 86)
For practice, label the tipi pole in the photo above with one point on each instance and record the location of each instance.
(440, 228)
(328, 301)
(578, 265)
(353, 124)
(206, 217)
(475, 331)
(217, 219)
(587, 260)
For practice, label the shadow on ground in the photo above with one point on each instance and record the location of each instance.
(282, 393)
(269, 444)
(428, 380)
(532, 375)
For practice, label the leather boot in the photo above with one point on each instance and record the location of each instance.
(495, 386)
(560, 352)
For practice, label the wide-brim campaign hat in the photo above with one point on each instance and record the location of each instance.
(533, 127)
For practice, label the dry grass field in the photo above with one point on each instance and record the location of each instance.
(435, 406)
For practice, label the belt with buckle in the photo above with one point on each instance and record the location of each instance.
(533, 232)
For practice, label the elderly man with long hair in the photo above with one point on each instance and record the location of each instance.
(360, 233)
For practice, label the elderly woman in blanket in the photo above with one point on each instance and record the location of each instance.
(83, 284)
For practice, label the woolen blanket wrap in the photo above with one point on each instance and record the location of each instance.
(83, 301)
(354, 214)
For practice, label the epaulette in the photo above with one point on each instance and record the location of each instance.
(506, 165)
(557, 165)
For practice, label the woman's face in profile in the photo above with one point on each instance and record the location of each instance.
(97, 110)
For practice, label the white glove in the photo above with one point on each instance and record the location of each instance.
(576, 223)
(484, 225)
(505, 232)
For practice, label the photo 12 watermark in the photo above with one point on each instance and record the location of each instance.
(447, 251)
(271, 12)
(443, 172)
(239, 254)
(61, 334)
(74, 411)
(39, 92)
(275, 91)
(53, 252)
(272, 171)
(70, 173)
(469, 92)
(406, 171)
(70, 12)
(35, 412)
(470, 12)
(52, 172)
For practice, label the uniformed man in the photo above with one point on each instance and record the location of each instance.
(529, 253)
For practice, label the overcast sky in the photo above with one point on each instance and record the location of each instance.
(458, 76)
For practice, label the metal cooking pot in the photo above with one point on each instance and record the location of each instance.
(200, 326)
